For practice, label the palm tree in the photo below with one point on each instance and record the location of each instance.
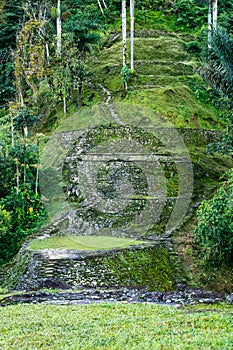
(124, 48)
(212, 17)
(215, 13)
(209, 24)
(124, 45)
(218, 63)
(59, 28)
(125, 69)
(131, 34)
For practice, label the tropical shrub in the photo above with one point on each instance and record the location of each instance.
(214, 231)
(21, 208)
(20, 212)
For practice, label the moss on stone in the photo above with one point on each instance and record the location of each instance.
(149, 267)
(13, 272)
(140, 266)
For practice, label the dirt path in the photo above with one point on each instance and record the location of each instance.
(108, 99)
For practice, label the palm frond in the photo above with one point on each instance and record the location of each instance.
(217, 67)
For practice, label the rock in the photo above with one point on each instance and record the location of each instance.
(189, 296)
(180, 287)
(230, 298)
(52, 283)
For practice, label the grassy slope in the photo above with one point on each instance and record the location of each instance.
(82, 243)
(115, 326)
(164, 79)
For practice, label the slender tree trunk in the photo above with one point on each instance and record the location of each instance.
(124, 47)
(80, 91)
(25, 141)
(209, 24)
(20, 96)
(47, 51)
(215, 14)
(25, 132)
(17, 176)
(59, 29)
(64, 104)
(24, 164)
(124, 37)
(12, 131)
(25, 128)
(37, 167)
(37, 179)
(131, 34)
(100, 6)
(104, 4)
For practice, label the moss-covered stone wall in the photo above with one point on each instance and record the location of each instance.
(153, 266)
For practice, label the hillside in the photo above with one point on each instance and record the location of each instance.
(164, 84)
(164, 78)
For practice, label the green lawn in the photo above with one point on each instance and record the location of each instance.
(116, 326)
(82, 242)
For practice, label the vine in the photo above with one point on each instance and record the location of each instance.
(29, 57)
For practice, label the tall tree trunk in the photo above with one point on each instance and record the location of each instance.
(25, 141)
(47, 51)
(80, 92)
(25, 128)
(124, 37)
(59, 29)
(64, 105)
(209, 24)
(131, 34)
(24, 164)
(17, 175)
(37, 179)
(100, 6)
(37, 167)
(12, 131)
(124, 47)
(104, 4)
(215, 14)
(20, 98)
